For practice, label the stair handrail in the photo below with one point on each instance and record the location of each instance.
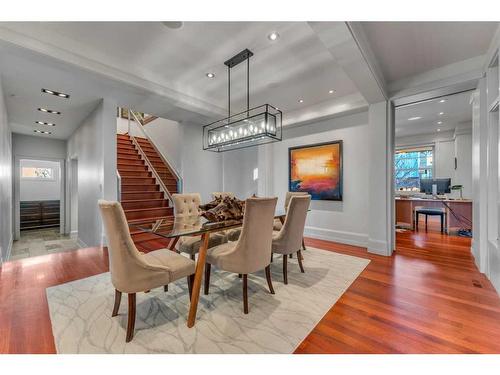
(119, 187)
(162, 156)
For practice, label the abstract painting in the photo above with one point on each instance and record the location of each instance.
(317, 169)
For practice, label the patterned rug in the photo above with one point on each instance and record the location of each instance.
(80, 311)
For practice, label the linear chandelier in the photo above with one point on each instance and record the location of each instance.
(253, 127)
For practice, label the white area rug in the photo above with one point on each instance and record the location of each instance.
(80, 311)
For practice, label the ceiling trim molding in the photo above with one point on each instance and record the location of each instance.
(181, 100)
(347, 52)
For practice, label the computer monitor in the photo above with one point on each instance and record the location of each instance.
(443, 185)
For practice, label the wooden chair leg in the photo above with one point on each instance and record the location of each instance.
(193, 257)
(239, 275)
(269, 281)
(208, 268)
(285, 269)
(165, 288)
(426, 216)
(271, 257)
(299, 258)
(190, 280)
(118, 299)
(290, 256)
(131, 317)
(303, 245)
(245, 294)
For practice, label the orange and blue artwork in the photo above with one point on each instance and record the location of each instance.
(317, 170)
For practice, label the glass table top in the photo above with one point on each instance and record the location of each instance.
(171, 227)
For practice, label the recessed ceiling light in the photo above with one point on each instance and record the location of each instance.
(49, 111)
(441, 113)
(439, 130)
(301, 100)
(440, 122)
(442, 100)
(414, 118)
(273, 36)
(41, 131)
(45, 123)
(331, 91)
(56, 93)
(174, 25)
(210, 75)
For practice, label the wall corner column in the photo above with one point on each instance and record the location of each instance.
(380, 191)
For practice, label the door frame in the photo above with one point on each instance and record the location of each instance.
(17, 192)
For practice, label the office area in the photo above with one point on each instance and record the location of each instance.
(433, 165)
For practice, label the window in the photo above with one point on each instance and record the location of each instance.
(410, 165)
(38, 173)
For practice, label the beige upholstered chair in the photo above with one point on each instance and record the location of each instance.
(189, 205)
(289, 195)
(231, 234)
(252, 251)
(289, 239)
(133, 271)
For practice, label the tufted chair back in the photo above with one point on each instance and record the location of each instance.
(186, 204)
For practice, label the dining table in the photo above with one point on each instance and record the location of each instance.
(174, 228)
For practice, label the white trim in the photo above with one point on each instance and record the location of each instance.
(349, 238)
(378, 247)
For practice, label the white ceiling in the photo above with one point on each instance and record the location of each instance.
(295, 66)
(457, 112)
(405, 49)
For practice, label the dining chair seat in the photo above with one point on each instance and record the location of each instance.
(176, 265)
(191, 244)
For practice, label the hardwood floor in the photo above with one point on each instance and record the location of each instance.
(427, 298)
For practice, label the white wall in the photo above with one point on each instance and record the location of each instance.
(238, 171)
(6, 195)
(166, 135)
(38, 147)
(40, 190)
(94, 146)
(447, 146)
(344, 221)
(201, 170)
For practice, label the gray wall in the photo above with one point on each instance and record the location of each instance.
(38, 147)
(94, 146)
(5, 182)
(238, 171)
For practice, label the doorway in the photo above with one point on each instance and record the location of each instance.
(433, 166)
(39, 208)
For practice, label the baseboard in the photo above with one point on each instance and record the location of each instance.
(378, 247)
(9, 248)
(348, 238)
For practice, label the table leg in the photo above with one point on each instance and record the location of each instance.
(200, 265)
(173, 242)
(282, 219)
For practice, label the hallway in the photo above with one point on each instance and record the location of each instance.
(41, 242)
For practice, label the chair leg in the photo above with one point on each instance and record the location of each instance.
(239, 275)
(426, 216)
(208, 268)
(285, 269)
(299, 258)
(271, 257)
(118, 298)
(269, 281)
(290, 256)
(303, 245)
(131, 317)
(193, 257)
(165, 288)
(245, 294)
(190, 280)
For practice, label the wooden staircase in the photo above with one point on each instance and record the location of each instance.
(141, 196)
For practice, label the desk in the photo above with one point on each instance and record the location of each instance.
(462, 207)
